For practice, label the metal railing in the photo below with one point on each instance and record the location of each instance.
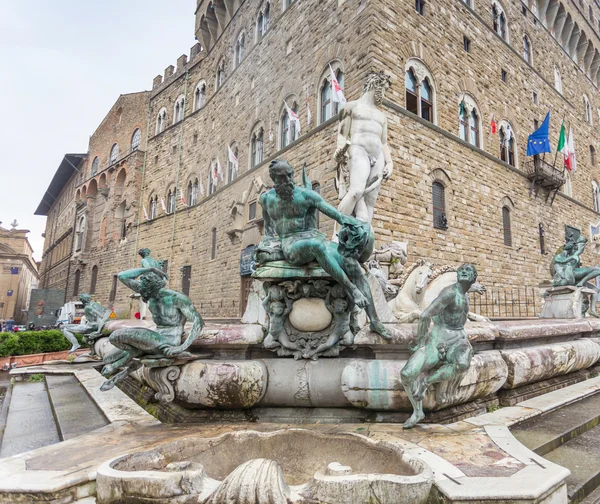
(544, 174)
(510, 302)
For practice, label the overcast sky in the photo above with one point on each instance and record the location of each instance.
(63, 65)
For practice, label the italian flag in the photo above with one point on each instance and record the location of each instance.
(563, 146)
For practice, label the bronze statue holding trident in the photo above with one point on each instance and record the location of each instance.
(445, 352)
(170, 311)
(289, 211)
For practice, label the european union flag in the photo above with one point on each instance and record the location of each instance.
(14, 270)
(538, 142)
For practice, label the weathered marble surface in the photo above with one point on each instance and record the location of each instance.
(565, 302)
(529, 365)
(281, 467)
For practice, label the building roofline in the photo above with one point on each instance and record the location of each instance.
(63, 173)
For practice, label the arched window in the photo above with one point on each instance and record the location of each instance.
(76, 283)
(288, 132)
(161, 120)
(153, 207)
(438, 194)
(114, 154)
(262, 21)
(419, 94)
(80, 235)
(171, 201)
(329, 107)
(178, 110)
(233, 163)
(507, 144)
(596, 196)
(192, 192)
(200, 95)
(94, 280)
(557, 79)
(587, 109)
(220, 77)
(95, 164)
(257, 145)
(474, 128)
(213, 177)
(136, 139)
(499, 21)
(592, 155)
(527, 49)
(287, 3)
(239, 49)
(213, 245)
(506, 226)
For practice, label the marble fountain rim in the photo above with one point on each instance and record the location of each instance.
(424, 473)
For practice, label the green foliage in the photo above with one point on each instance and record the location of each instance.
(492, 407)
(33, 342)
(38, 377)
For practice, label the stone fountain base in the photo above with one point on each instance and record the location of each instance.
(281, 467)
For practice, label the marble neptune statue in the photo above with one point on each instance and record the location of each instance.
(444, 352)
(362, 155)
(291, 233)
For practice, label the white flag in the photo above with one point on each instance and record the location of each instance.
(308, 114)
(162, 204)
(145, 213)
(220, 170)
(232, 159)
(214, 175)
(293, 116)
(572, 150)
(508, 133)
(337, 95)
(201, 187)
(182, 199)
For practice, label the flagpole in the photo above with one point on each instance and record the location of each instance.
(556, 153)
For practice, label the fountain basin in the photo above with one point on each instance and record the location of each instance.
(292, 465)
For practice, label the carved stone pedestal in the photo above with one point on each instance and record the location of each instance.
(308, 314)
(566, 302)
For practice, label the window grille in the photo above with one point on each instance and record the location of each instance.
(439, 206)
(506, 226)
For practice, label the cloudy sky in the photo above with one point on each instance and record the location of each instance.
(64, 64)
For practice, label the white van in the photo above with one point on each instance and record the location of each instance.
(70, 313)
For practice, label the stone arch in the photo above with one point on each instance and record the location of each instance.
(120, 180)
(506, 201)
(92, 189)
(440, 175)
(78, 196)
(83, 192)
(102, 181)
(471, 103)
(421, 73)
(324, 77)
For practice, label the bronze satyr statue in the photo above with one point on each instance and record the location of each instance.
(96, 316)
(445, 352)
(170, 311)
(289, 212)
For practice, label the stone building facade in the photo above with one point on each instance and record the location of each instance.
(18, 274)
(100, 198)
(459, 192)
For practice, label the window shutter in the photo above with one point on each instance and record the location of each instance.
(439, 206)
(506, 225)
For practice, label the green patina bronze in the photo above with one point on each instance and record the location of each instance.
(96, 316)
(445, 352)
(567, 267)
(170, 310)
(291, 234)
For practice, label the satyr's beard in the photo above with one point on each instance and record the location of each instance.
(285, 190)
(148, 291)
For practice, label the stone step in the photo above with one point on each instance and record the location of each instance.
(547, 432)
(30, 423)
(75, 412)
(593, 498)
(581, 456)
